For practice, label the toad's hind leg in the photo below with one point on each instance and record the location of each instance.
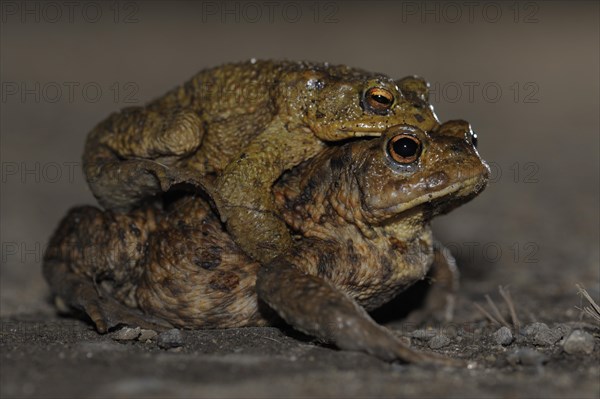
(132, 154)
(80, 293)
(91, 262)
(316, 307)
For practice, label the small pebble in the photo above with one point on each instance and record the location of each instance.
(175, 350)
(547, 337)
(526, 357)
(439, 341)
(563, 329)
(423, 335)
(170, 339)
(127, 334)
(146, 335)
(503, 336)
(579, 343)
(450, 332)
(534, 328)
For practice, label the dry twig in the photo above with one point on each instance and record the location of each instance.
(497, 317)
(594, 309)
(511, 306)
(486, 314)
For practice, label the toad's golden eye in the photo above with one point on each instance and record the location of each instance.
(404, 148)
(378, 100)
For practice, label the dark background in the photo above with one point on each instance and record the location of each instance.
(526, 75)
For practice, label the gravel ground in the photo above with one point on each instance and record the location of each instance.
(528, 82)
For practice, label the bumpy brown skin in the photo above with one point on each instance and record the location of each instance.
(234, 129)
(361, 225)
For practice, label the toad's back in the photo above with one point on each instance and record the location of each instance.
(238, 101)
(236, 128)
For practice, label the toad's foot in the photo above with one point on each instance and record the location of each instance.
(107, 313)
(80, 293)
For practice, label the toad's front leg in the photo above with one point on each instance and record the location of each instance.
(314, 306)
(440, 300)
(243, 196)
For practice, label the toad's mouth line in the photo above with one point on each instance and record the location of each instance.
(464, 188)
(375, 129)
(366, 132)
(368, 129)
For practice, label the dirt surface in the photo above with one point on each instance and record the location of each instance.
(64, 358)
(528, 81)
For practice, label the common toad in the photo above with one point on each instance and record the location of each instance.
(360, 216)
(237, 127)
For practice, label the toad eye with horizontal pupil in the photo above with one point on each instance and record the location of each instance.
(404, 149)
(379, 100)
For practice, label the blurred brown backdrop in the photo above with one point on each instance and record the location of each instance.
(526, 75)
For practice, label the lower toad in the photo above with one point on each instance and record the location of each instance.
(360, 216)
